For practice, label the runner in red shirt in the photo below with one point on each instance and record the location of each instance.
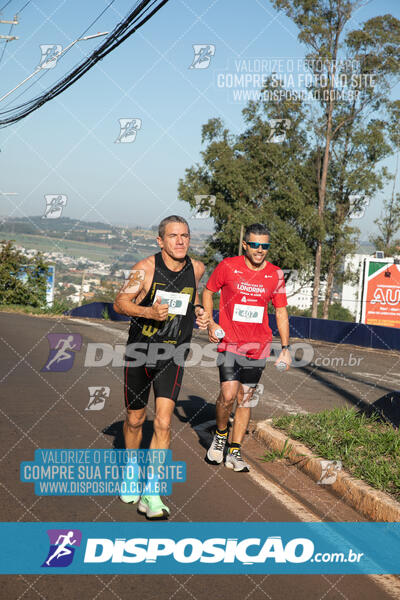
(247, 283)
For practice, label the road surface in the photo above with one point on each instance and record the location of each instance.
(48, 410)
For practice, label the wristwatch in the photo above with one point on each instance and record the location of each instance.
(286, 347)
(198, 306)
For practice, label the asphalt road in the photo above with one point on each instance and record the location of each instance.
(47, 410)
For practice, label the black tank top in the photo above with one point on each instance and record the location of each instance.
(177, 328)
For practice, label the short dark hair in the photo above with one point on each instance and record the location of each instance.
(257, 229)
(171, 219)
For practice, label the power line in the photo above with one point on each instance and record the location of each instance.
(20, 10)
(97, 18)
(5, 45)
(12, 25)
(46, 71)
(5, 6)
(143, 11)
(23, 8)
(9, 38)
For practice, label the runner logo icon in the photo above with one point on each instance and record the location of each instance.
(62, 547)
(128, 130)
(329, 471)
(50, 53)
(98, 396)
(54, 205)
(62, 351)
(278, 131)
(202, 56)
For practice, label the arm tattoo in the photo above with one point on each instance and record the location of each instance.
(133, 282)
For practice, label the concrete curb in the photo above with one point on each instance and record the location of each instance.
(373, 504)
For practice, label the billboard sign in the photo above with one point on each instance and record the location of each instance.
(381, 292)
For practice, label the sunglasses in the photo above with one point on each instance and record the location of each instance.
(256, 245)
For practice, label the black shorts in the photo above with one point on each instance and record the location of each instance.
(166, 379)
(233, 367)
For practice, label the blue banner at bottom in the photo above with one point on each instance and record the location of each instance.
(199, 548)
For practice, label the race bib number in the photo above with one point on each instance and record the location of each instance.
(248, 314)
(177, 303)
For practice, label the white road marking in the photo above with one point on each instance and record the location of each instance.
(276, 402)
(393, 378)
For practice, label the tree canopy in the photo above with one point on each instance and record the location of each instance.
(23, 280)
(310, 185)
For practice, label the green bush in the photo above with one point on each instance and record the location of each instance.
(23, 281)
(59, 307)
(336, 312)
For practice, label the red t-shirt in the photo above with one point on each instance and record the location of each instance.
(243, 307)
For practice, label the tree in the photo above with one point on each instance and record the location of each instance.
(336, 312)
(22, 280)
(309, 187)
(352, 177)
(389, 223)
(254, 179)
(369, 57)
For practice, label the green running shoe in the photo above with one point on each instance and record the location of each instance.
(153, 507)
(129, 499)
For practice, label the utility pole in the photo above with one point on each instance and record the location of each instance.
(9, 38)
(55, 57)
(14, 22)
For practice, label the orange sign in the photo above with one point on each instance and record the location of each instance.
(381, 297)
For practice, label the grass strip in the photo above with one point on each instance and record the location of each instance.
(58, 308)
(368, 447)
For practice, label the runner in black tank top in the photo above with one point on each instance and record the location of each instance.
(158, 340)
(161, 299)
(177, 329)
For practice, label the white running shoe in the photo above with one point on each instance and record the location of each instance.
(215, 453)
(235, 461)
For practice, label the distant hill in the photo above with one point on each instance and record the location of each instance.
(34, 225)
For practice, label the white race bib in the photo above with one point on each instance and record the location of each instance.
(177, 303)
(248, 314)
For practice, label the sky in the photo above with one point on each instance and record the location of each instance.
(68, 147)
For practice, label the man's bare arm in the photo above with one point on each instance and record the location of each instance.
(124, 303)
(208, 307)
(282, 323)
(199, 269)
(208, 303)
(202, 318)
